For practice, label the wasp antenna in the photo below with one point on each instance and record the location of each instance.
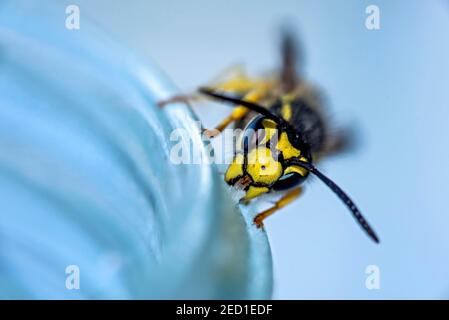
(250, 105)
(343, 196)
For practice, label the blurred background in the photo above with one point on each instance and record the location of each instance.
(390, 84)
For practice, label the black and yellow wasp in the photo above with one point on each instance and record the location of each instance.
(295, 134)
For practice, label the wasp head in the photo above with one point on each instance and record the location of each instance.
(263, 164)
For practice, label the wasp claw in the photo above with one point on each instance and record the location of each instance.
(211, 133)
(258, 221)
(162, 103)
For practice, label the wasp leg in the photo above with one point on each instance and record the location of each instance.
(237, 114)
(238, 83)
(255, 95)
(282, 202)
(232, 79)
(182, 98)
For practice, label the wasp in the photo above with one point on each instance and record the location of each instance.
(295, 134)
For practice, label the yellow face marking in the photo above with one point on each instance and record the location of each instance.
(295, 169)
(284, 145)
(235, 169)
(254, 192)
(262, 167)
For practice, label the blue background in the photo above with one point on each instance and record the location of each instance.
(390, 83)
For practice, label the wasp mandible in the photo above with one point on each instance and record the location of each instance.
(296, 134)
